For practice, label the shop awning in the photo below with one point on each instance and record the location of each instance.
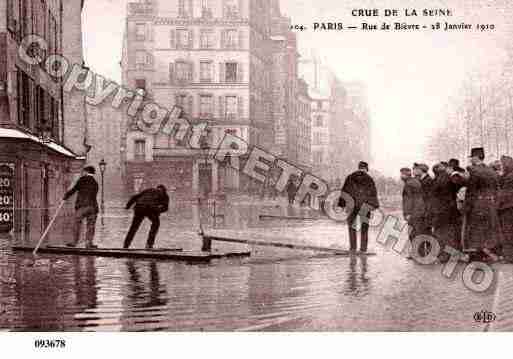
(17, 134)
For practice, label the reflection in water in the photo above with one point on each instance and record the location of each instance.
(357, 282)
(142, 294)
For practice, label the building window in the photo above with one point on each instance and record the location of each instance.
(317, 138)
(183, 71)
(140, 32)
(319, 121)
(231, 72)
(231, 8)
(231, 107)
(141, 58)
(183, 8)
(317, 157)
(206, 8)
(23, 89)
(230, 39)
(207, 39)
(140, 150)
(206, 106)
(182, 39)
(206, 71)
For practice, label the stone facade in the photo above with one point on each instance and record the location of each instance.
(211, 58)
(43, 147)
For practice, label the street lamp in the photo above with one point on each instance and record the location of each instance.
(103, 166)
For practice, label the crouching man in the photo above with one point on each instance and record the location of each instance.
(149, 204)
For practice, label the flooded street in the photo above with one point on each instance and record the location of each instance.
(274, 289)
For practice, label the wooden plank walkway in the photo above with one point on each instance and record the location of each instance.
(222, 236)
(158, 254)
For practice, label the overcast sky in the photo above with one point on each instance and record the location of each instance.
(411, 76)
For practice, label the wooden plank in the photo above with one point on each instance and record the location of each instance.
(335, 251)
(124, 249)
(289, 218)
(137, 254)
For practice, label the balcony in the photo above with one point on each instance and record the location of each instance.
(140, 9)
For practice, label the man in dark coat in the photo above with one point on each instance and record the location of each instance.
(483, 231)
(421, 172)
(444, 208)
(362, 189)
(414, 208)
(86, 206)
(506, 206)
(149, 204)
(457, 181)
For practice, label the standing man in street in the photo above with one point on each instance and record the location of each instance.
(86, 206)
(421, 172)
(149, 203)
(362, 189)
(483, 232)
(414, 208)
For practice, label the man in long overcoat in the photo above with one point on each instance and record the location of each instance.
(362, 189)
(443, 208)
(483, 232)
(421, 172)
(414, 208)
(506, 206)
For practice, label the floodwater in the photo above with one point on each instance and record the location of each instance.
(274, 290)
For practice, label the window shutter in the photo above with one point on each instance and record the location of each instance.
(223, 39)
(171, 73)
(222, 75)
(191, 72)
(172, 39)
(191, 14)
(221, 108)
(241, 39)
(240, 72)
(177, 99)
(190, 105)
(240, 104)
(191, 39)
(241, 8)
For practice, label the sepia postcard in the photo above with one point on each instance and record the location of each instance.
(255, 166)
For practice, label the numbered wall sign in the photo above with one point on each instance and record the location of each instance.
(6, 197)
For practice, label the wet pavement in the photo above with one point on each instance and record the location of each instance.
(274, 290)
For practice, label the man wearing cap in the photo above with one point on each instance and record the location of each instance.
(414, 208)
(150, 203)
(86, 206)
(362, 189)
(421, 172)
(482, 232)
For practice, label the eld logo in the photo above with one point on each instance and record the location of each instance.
(484, 317)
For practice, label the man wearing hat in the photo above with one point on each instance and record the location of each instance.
(362, 189)
(414, 208)
(86, 206)
(421, 172)
(482, 232)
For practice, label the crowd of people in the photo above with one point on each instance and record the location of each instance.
(468, 209)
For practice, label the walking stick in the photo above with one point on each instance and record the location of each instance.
(48, 228)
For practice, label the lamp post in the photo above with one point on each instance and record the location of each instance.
(103, 166)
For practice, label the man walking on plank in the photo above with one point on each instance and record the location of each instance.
(86, 206)
(149, 203)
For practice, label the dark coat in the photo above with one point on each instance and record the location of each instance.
(152, 199)
(413, 200)
(481, 208)
(427, 188)
(87, 191)
(443, 200)
(362, 189)
(505, 199)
